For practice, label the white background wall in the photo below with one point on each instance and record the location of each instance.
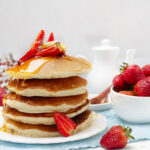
(79, 24)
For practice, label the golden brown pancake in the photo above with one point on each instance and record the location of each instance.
(44, 104)
(50, 67)
(82, 121)
(49, 87)
(41, 118)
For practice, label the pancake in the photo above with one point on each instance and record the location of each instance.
(41, 118)
(82, 121)
(44, 104)
(49, 87)
(50, 67)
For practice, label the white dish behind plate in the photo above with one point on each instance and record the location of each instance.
(100, 107)
(98, 125)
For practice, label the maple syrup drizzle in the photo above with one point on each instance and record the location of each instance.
(4, 101)
(31, 66)
(17, 82)
(23, 83)
(10, 79)
(67, 58)
(3, 128)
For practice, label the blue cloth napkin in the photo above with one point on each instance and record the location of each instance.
(140, 132)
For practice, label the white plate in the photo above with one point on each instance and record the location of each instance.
(98, 125)
(100, 107)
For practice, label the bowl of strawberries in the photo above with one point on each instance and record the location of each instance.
(130, 93)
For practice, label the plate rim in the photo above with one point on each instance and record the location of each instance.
(8, 137)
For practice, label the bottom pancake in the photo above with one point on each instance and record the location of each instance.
(82, 121)
(43, 118)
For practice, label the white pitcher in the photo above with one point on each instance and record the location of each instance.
(104, 67)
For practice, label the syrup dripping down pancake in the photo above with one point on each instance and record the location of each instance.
(42, 118)
(49, 87)
(50, 67)
(44, 104)
(82, 121)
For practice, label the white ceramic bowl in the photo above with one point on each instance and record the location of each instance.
(131, 108)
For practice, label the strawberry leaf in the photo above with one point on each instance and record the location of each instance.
(123, 66)
(128, 131)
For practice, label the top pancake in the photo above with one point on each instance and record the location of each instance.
(50, 67)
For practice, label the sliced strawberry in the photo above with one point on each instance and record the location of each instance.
(34, 47)
(127, 93)
(39, 40)
(50, 51)
(67, 121)
(64, 124)
(31, 53)
(51, 37)
(62, 128)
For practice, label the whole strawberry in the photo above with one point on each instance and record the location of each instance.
(119, 82)
(117, 137)
(132, 74)
(146, 70)
(142, 88)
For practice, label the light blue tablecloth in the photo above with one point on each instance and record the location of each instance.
(140, 132)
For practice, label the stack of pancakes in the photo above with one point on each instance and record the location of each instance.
(41, 86)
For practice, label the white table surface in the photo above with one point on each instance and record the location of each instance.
(142, 145)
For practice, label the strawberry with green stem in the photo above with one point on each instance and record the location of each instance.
(116, 137)
(118, 81)
(132, 74)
